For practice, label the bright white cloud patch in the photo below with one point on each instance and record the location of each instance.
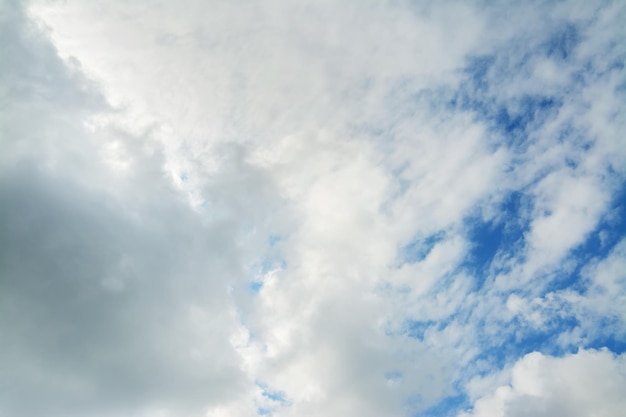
(312, 208)
(546, 386)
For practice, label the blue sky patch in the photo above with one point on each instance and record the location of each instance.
(273, 395)
(518, 338)
(255, 286)
(419, 248)
(448, 407)
(502, 235)
(562, 43)
(614, 343)
(417, 329)
(477, 71)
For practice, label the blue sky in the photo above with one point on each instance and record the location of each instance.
(312, 208)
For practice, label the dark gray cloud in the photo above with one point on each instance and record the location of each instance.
(98, 306)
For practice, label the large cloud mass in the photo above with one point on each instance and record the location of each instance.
(312, 208)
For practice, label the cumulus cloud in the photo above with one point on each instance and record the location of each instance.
(542, 385)
(310, 208)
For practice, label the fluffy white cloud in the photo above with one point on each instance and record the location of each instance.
(302, 208)
(542, 385)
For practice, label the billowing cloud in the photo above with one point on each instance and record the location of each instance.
(546, 386)
(356, 208)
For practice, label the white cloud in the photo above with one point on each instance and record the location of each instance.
(566, 210)
(210, 207)
(588, 383)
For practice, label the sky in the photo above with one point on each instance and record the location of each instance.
(312, 208)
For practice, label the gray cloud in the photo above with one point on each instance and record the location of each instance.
(113, 291)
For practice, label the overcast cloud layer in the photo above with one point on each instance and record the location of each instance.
(312, 208)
